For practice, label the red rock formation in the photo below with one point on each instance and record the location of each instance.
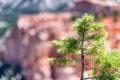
(85, 6)
(29, 43)
(95, 7)
(113, 29)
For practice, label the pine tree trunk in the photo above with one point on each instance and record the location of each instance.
(82, 69)
(82, 57)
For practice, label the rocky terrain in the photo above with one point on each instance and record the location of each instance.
(29, 44)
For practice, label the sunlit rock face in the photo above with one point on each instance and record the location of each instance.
(29, 44)
(112, 26)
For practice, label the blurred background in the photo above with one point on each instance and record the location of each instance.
(27, 28)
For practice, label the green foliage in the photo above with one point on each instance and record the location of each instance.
(64, 62)
(90, 42)
(68, 45)
(109, 66)
(84, 25)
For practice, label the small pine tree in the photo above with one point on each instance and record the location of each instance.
(90, 42)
